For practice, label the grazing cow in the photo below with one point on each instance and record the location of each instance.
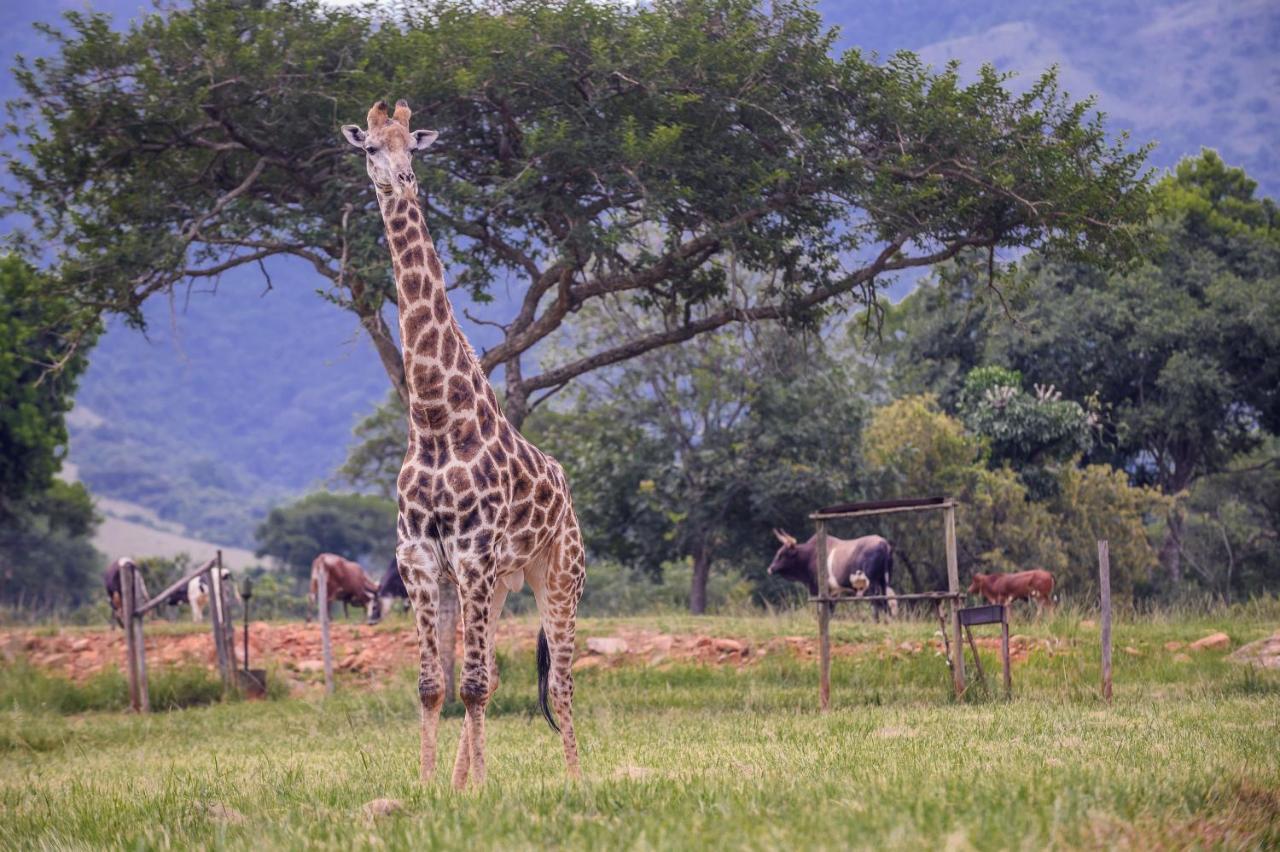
(111, 579)
(197, 593)
(346, 582)
(863, 565)
(392, 587)
(1035, 586)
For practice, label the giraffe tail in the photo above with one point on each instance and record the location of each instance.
(544, 671)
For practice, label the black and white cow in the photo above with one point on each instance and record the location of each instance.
(862, 565)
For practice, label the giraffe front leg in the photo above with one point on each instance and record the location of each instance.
(474, 690)
(422, 583)
(462, 761)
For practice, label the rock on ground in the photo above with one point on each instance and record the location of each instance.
(1264, 653)
(1213, 642)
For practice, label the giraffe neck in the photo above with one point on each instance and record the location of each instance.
(439, 363)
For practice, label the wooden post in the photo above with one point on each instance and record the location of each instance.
(1004, 650)
(228, 623)
(953, 586)
(140, 646)
(322, 602)
(824, 620)
(446, 632)
(135, 659)
(216, 618)
(1104, 583)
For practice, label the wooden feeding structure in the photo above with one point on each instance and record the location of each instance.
(826, 601)
(990, 614)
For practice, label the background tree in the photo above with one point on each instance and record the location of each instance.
(46, 559)
(354, 526)
(1184, 350)
(205, 139)
(696, 452)
(913, 448)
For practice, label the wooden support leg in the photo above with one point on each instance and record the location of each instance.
(824, 620)
(326, 650)
(953, 586)
(977, 662)
(942, 628)
(1004, 650)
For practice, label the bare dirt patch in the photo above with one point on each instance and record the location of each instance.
(364, 652)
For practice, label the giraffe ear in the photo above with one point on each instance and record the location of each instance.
(354, 135)
(422, 139)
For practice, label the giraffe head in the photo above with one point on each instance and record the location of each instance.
(388, 145)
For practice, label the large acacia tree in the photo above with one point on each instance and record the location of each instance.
(587, 150)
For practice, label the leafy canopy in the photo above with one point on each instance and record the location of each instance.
(588, 150)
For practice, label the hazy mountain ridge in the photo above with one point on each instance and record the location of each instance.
(239, 400)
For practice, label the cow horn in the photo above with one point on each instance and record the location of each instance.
(783, 537)
(377, 115)
(402, 113)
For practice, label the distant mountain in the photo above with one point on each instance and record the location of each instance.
(239, 400)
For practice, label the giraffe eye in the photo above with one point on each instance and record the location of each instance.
(372, 149)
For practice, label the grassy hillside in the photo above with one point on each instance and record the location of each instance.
(685, 756)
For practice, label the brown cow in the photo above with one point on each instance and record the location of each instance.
(346, 582)
(1035, 586)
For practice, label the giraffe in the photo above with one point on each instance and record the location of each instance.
(480, 506)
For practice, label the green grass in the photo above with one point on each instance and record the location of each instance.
(686, 756)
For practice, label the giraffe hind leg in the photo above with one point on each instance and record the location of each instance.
(558, 588)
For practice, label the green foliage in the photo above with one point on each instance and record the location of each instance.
(620, 149)
(614, 589)
(699, 451)
(374, 461)
(915, 449)
(47, 561)
(354, 526)
(43, 351)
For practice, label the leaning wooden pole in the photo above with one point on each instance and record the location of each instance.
(824, 619)
(953, 586)
(1104, 584)
(326, 650)
(130, 638)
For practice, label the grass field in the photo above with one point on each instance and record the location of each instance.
(687, 756)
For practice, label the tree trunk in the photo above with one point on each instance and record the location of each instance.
(1171, 549)
(515, 405)
(385, 345)
(701, 570)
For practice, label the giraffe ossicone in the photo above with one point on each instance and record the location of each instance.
(480, 506)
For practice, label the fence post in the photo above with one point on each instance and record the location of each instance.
(215, 617)
(322, 601)
(953, 586)
(824, 619)
(228, 625)
(447, 630)
(1104, 583)
(130, 654)
(140, 645)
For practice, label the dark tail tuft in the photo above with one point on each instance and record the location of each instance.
(544, 670)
